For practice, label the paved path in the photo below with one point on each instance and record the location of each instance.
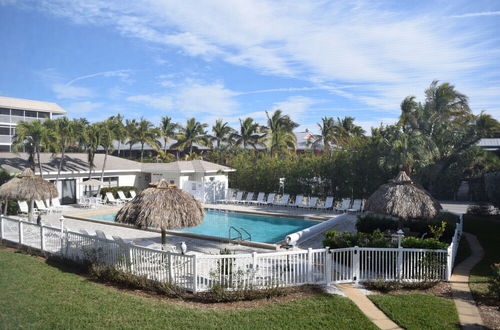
(468, 313)
(368, 308)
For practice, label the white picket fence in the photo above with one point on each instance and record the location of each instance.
(200, 272)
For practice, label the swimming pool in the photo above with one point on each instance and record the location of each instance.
(262, 228)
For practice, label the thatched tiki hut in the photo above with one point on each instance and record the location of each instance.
(162, 206)
(28, 187)
(403, 199)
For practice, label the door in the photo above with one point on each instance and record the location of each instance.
(68, 192)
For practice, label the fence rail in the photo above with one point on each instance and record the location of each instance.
(201, 272)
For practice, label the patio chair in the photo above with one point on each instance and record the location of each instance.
(270, 199)
(40, 206)
(132, 194)
(346, 204)
(298, 201)
(312, 202)
(228, 198)
(328, 204)
(23, 207)
(283, 201)
(84, 232)
(100, 234)
(57, 204)
(237, 199)
(112, 200)
(259, 200)
(356, 206)
(121, 195)
(248, 199)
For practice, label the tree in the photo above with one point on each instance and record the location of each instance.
(327, 134)
(222, 133)
(119, 130)
(145, 133)
(106, 139)
(91, 141)
(280, 132)
(167, 130)
(193, 133)
(249, 134)
(131, 128)
(65, 137)
(32, 136)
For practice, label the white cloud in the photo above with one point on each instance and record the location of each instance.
(80, 108)
(480, 14)
(154, 101)
(124, 75)
(296, 106)
(64, 91)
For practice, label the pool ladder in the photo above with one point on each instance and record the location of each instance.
(239, 233)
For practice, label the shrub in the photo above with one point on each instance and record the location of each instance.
(219, 294)
(370, 222)
(337, 240)
(492, 186)
(114, 190)
(483, 209)
(387, 286)
(418, 243)
(495, 281)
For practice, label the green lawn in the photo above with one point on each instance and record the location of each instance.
(36, 295)
(418, 311)
(487, 231)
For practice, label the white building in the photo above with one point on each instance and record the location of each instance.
(206, 181)
(14, 110)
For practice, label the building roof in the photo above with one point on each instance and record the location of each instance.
(491, 143)
(74, 163)
(23, 104)
(184, 166)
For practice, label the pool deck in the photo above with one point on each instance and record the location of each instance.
(194, 244)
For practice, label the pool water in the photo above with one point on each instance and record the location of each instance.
(262, 228)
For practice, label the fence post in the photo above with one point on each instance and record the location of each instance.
(61, 219)
(130, 258)
(399, 263)
(1, 226)
(20, 226)
(42, 239)
(328, 266)
(355, 264)
(449, 261)
(309, 266)
(195, 274)
(169, 258)
(254, 266)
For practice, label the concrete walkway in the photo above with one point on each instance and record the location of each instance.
(367, 307)
(468, 313)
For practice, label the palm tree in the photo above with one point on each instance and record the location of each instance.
(91, 140)
(131, 128)
(106, 140)
(222, 132)
(65, 137)
(280, 132)
(32, 136)
(193, 133)
(167, 130)
(327, 134)
(145, 133)
(249, 134)
(119, 130)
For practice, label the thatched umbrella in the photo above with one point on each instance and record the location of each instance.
(403, 199)
(28, 187)
(162, 206)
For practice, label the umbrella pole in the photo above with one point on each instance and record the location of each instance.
(6, 206)
(163, 239)
(30, 210)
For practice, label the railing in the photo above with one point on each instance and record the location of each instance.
(200, 272)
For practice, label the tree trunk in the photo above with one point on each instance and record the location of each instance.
(130, 152)
(119, 146)
(163, 239)
(142, 151)
(165, 140)
(103, 168)
(60, 166)
(39, 162)
(6, 206)
(190, 149)
(30, 210)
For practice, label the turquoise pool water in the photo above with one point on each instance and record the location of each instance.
(265, 229)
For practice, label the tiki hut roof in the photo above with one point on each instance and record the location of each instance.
(162, 206)
(403, 199)
(27, 187)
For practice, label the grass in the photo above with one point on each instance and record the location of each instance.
(36, 295)
(418, 311)
(487, 230)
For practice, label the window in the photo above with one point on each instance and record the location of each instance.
(43, 115)
(19, 113)
(4, 130)
(4, 147)
(4, 111)
(31, 114)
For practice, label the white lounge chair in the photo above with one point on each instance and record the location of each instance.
(270, 199)
(311, 203)
(346, 204)
(248, 199)
(328, 204)
(100, 234)
(41, 207)
(239, 196)
(121, 195)
(283, 201)
(23, 207)
(132, 194)
(298, 201)
(112, 200)
(356, 206)
(259, 200)
(228, 198)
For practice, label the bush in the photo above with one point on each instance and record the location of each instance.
(492, 186)
(219, 294)
(370, 222)
(387, 286)
(428, 243)
(495, 281)
(337, 240)
(483, 209)
(114, 190)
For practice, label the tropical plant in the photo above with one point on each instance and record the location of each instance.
(222, 132)
(131, 128)
(106, 139)
(193, 133)
(145, 133)
(65, 129)
(119, 130)
(249, 134)
(280, 132)
(90, 139)
(167, 130)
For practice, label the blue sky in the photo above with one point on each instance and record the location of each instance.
(231, 59)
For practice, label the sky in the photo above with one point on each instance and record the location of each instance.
(231, 59)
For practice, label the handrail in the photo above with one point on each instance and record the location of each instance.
(240, 237)
(246, 231)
